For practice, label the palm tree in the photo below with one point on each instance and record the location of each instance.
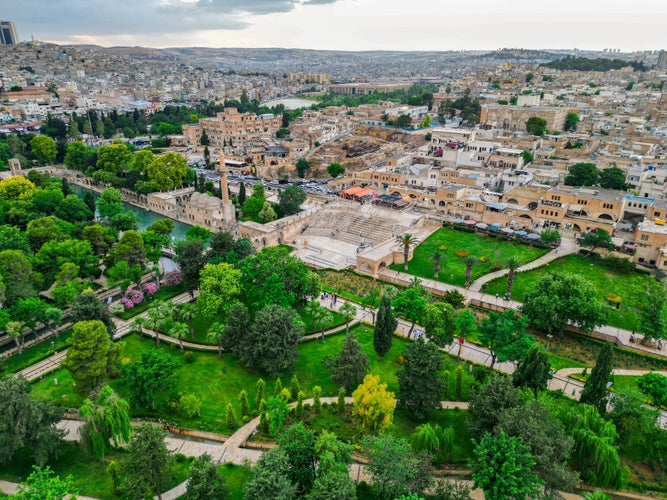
(322, 318)
(349, 312)
(156, 272)
(436, 256)
(138, 326)
(187, 312)
(15, 330)
(53, 318)
(313, 308)
(370, 299)
(215, 334)
(407, 240)
(154, 321)
(596, 495)
(512, 264)
(469, 261)
(179, 330)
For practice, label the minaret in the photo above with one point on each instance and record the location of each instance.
(224, 190)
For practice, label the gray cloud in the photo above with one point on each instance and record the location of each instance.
(70, 18)
(318, 2)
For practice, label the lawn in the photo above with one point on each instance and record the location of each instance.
(89, 475)
(236, 476)
(604, 280)
(201, 324)
(218, 382)
(36, 353)
(350, 285)
(491, 252)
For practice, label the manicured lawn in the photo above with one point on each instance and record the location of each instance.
(604, 280)
(201, 325)
(164, 293)
(491, 252)
(89, 475)
(236, 476)
(36, 353)
(218, 382)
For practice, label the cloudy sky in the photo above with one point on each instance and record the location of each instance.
(346, 24)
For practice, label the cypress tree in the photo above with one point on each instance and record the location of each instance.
(351, 365)
(260, 393)
(533, 372)
(384, 328)
(242, 194)
(231, 418)
(294, 387)
(243, 399)
(595, 389)
(278, 387)
(317, 404)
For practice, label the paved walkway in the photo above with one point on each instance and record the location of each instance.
(567, 246)
(123, 327)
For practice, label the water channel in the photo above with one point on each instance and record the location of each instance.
(144, 217)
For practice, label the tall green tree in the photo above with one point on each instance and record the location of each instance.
(438, 323)
(653, 385)
(373, 405)
(271, 343)
(534, 371)
(536, 125)
(488, 403)
(335, 169)
(561, 298)
(394, 468)
(546, 439)
(594, 454)
(220, 286)
(87, 307)
(298, 444)
(149, 375)
(206, 481)
(599, 238)
(384, 328)
(351, 365)
(505, 336)
(613, 178)
(91, 357)
(106, 420)
(290, 199)
(420, 382)
(582, 174)
(168, 171)
(269, 478)
(512, 265)
(190, 256)
(649, 303)
(502, 467)
(27, 422)
(410, 304)
(596, 387)
(44, 149)
(147, 470)
(302, 167)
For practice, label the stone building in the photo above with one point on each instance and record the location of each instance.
(515, 117)
(233, 126)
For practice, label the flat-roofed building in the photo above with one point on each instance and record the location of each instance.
(232, 125)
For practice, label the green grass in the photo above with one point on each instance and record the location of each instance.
(201, 324)
(89, 475)
(218, 382)
(350, 285)
(164, 293)
(493, 251)
(236, 476)
(605, 281)
(37, 352)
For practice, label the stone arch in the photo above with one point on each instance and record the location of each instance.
(364, 267)
(513, 201)
(506, 123)
(396, 193)
(576, 228)
(525, 216)
(532, 205)
(605, 217)
(441, 203)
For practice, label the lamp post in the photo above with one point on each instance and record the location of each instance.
(549, 337)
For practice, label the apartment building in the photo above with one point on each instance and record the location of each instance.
(230, 125)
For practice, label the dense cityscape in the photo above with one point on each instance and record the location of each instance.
(280, 273)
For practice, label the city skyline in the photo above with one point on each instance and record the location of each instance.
(344, 24)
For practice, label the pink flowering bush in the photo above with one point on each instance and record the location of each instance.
(150, 288)
(127, 303)
(173, 278)
(136, 296)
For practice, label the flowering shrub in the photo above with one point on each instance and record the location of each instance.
(136, 296)
(173, 278)
(116, 308)
(150, 288)
(127, 303)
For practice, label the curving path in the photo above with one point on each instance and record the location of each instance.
(567, 246)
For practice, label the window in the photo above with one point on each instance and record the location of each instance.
(470, 205)
(644, 237)
(555, 198)
(582, 202)
(610, 205)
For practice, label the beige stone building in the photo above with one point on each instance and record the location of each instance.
(515, 117)
(234, 126)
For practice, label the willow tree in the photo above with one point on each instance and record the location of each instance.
(105, 420)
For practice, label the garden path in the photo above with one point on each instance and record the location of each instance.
(567, 246)
(123, 327)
